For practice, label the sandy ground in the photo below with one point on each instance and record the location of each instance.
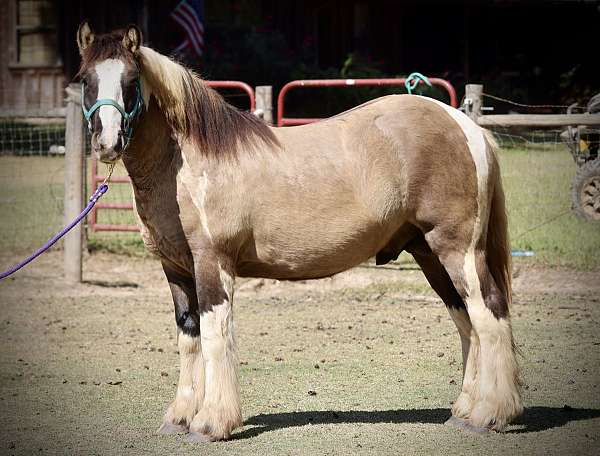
(89, 369)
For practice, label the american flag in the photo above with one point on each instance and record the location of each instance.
(189, 14)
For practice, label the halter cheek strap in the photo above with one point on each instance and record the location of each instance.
(128, 117)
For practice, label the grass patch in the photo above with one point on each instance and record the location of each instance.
(31, 200)
(537, 185)
(130, 244)
(536, 181)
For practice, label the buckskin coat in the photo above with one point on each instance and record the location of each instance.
(219, 194)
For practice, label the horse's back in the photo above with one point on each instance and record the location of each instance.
(402, 152)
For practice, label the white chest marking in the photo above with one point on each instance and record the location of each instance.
(198, 187)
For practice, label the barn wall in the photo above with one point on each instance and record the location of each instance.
(25, 89)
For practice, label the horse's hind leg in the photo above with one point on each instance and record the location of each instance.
(221, 410)
(190, 389)
(497, 400)
(440, 281)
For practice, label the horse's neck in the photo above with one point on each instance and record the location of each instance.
(153, 161)
(149, 157)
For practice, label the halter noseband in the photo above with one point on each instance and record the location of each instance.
(128, 117)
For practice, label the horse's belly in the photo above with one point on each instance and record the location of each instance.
(299, 253)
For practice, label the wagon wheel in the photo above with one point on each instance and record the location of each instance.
(585, 191)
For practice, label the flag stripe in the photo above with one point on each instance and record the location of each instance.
(182, 46)
(190, 18)
(188, 14)
(191, 36)
(194, 18)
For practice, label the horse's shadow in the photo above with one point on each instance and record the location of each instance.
(534, 419)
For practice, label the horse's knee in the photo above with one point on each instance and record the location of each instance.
(185, 299)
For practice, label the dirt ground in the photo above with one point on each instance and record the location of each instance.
(367, 362)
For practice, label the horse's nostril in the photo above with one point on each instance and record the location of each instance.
(96, 143)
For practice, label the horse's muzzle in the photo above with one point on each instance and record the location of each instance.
(104, 153)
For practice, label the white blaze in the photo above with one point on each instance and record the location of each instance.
(109, 86)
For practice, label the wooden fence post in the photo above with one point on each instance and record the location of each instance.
(264, 103)
(74, 179)
(473, 103)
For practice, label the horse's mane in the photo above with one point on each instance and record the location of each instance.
(196, 111)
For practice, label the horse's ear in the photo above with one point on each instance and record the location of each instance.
(132, 40)
(85, 36)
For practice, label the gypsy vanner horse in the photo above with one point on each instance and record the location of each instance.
(220, 194)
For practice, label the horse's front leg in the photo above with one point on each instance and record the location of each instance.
(190, 389)
(221, 412)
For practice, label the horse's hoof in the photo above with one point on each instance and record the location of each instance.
(463, 424)
(196, 437)
(170, 428)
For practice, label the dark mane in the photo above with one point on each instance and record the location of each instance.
(197, 112)
(215, 126)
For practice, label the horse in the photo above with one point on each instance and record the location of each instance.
(220, 194)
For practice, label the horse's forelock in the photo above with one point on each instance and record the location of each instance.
(106, 46)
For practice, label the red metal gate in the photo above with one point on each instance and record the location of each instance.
(98, 179)
(283, 121)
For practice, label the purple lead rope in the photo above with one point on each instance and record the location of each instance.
(93, 199)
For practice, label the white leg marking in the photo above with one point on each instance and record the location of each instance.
(470, 353)
(190, 389)
(109, 74)
(498, 399)
(221, 410)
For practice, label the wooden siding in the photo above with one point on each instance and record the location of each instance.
(26, 90)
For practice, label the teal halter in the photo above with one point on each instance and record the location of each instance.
(128, 118)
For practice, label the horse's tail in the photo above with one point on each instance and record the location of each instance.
(498, 252)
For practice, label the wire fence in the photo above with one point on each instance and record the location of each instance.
(537, 170)
(41, 137)
(31, 181)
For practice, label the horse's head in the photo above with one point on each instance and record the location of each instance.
(111, 91)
